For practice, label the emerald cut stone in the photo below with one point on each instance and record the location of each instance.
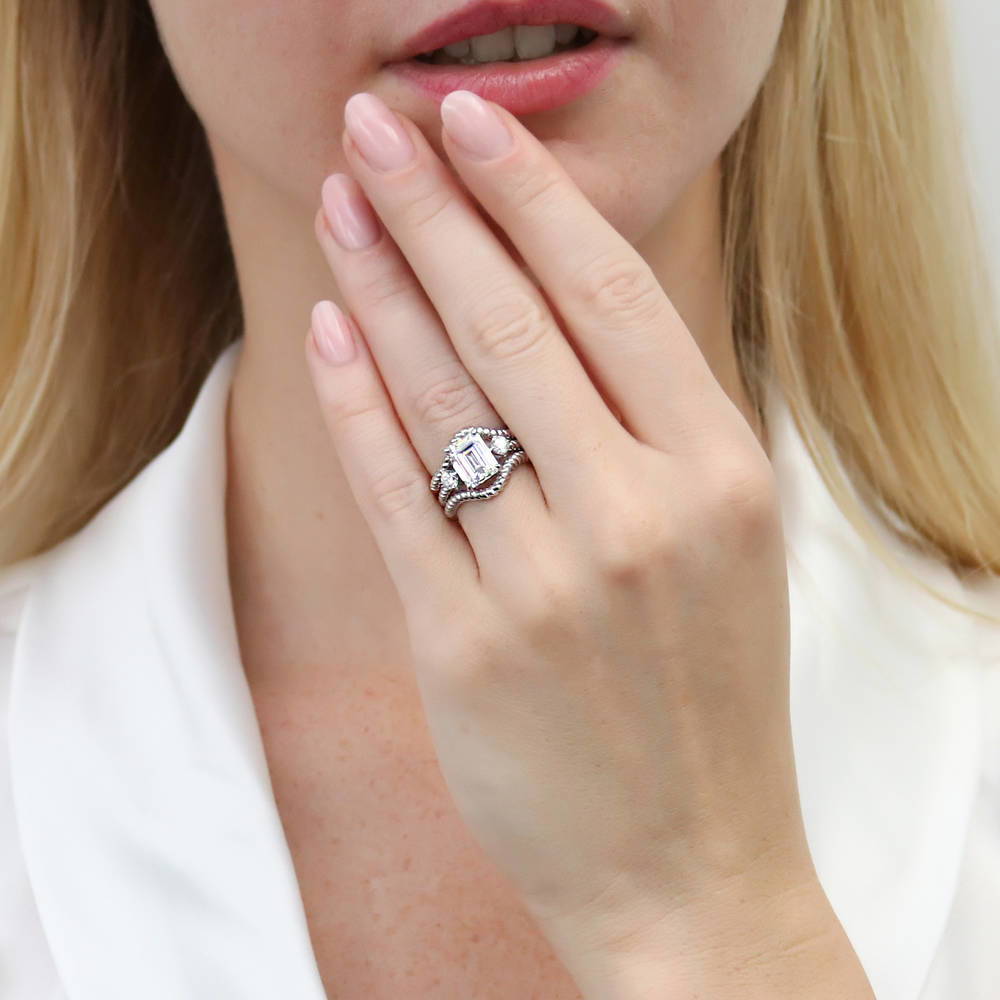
(473, 460)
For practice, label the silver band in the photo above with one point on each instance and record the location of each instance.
(476, 455)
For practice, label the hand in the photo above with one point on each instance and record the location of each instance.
(602, 648)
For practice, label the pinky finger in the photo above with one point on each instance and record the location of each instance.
(427, 555)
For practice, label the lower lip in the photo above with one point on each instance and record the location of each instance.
(520, 87)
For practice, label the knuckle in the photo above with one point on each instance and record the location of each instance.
(508, 326)
(426, 207)
(634, 543)
(623, 287)
(547, 598)
(547, 608)
(556, 599)
(744, 497)
(532, 189)
(619, 558)
(380, 286)
(463, 659)
(397, 491)
(348, 413)
(450, 394)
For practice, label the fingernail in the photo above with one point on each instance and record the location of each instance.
(377, 133)
(351, 218)
(331, 333)
(474, 125)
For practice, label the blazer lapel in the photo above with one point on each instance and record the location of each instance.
(150, 832)
(148, 822)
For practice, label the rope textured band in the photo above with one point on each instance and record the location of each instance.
(474, 456)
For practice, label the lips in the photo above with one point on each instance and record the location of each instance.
(483, 17)
(525, 86)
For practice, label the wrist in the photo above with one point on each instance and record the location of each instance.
(745, 940)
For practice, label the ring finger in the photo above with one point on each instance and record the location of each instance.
(432, 391)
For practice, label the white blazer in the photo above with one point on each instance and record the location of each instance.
(141, 852)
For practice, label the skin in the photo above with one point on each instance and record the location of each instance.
(654, 642)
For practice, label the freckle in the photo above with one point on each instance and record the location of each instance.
(475, 939)
(407, 862)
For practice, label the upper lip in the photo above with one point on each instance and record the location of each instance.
(482, 17)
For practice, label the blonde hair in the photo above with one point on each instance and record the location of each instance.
(854, 269)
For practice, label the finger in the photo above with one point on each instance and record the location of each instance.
(428, 556)
(627, 330)
(496, 318)
(431, 390)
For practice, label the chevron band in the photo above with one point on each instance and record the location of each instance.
(479, 458)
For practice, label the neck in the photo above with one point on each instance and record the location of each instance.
(308, 580)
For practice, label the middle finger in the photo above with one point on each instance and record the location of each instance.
(498, 320)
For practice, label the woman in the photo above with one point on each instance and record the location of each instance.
(603, 603)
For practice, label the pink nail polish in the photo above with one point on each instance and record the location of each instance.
(352, 221)
(331, 333)
(377, 132)
(474, 125)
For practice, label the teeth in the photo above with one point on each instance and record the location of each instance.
(494, 47)
(525, 41)
(565, 33)
(534, 40)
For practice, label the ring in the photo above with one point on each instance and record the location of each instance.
(473, 458)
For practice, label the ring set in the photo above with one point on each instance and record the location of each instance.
(476, 456)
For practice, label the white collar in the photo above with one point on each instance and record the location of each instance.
(141, 788)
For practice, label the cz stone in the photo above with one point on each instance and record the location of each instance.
(473, 460)
(500, 444)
